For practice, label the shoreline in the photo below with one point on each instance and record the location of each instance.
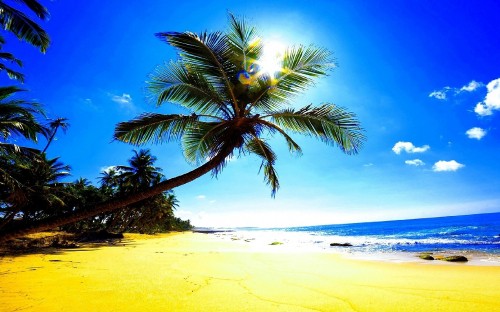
(260, 241)
(200, 272)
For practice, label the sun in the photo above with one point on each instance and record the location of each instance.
(271, 60)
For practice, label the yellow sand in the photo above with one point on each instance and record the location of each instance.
(198, 272)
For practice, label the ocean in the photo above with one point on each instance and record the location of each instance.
(467, 235)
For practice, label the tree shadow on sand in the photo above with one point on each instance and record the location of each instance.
(60, 243)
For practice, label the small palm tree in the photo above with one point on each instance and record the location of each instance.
(54, 125)
(39, 193)
(141, 172)
(233, 107)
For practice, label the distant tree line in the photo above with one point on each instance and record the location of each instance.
(31, 187)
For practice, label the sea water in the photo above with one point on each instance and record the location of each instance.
(470, 234)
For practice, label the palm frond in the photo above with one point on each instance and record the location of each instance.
(329, 123)
(301, 66)
(174, 83)
(23, 27)
(12, 73)
(154, 128)
(17, 117)
(263, 150)
(9, 148)
(11, 58)
(244, 43)
(204, 141)
(5, 92)
(209, 54)
(293, 147)
(36, 8)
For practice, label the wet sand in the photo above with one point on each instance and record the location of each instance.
(199, 272)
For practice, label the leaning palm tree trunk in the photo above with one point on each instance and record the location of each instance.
(51, 223)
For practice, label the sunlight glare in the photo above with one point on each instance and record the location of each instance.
(271, 60)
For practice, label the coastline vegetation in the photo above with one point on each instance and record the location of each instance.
(31, 187)
(235, 104)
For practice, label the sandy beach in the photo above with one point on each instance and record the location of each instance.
(199, 272)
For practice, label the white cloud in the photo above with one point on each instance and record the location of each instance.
(443, 93)
(472, 86)
(440, 95)
(109, 168)
(124, 101)
(368, 165)
(414, 162)
(476, 133)
(443, 165)
(492, 100)
(201, 197)
(409, 148)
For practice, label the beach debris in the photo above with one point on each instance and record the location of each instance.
(276, 243)
(340, 244)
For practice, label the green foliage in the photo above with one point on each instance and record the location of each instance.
(233, 105)
(14, 20)
(151, 215)
(18, 116)
(31, 189)
(17, 22)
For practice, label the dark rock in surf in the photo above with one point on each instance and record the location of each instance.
(341, 245)
(455, 259)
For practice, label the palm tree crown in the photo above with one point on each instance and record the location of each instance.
(234, 104)
(54, 125)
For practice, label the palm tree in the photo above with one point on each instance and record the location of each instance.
(17, 22)
(17, 119)
(40, 193)
(54, 125)
(141, 172)
(233, 107)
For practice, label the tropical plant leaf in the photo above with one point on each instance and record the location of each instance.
(23, 27)
(174, 83)
(12, 73)
(11, 58)
(17, 117)
(263, 150)
(36, 8)
(154, 128)
(208, 54)
(204, 141)
(244, 42)
(301, 66)
(329, 123)
(293, 147)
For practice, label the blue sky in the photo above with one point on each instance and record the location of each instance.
(422, 76)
